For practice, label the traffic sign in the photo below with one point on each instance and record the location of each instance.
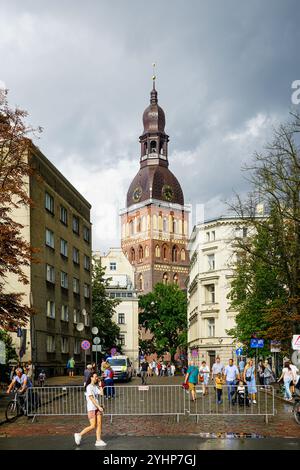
(85, 345)
(296, 342)
(96, 348)
(239, 351)
(296, 358)
(275, 346)
(96, 340)
(256, 343)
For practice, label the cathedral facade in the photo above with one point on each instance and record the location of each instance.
(155, 220)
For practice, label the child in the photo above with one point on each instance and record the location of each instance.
(219, 383)
(242, 395)
(41, 378)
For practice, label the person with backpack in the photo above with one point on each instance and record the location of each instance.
(109, 389)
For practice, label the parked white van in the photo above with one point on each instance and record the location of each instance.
(122, 367)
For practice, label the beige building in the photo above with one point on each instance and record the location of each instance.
(121, 286)
(59, 289)
(212, 256)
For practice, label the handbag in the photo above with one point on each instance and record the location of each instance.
(248, 378)
(201, 378)
(185, 385)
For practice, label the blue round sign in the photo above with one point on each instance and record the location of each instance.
(85, 345)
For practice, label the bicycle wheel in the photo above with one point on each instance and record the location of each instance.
(296, 411)
(12, 411)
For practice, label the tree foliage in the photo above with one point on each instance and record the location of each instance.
(10, 350)
(15, 252)
(164, 314)
(266, 290)
(103, 309)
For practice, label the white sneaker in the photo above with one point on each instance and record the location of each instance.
(100, 443)
(77, 438)
(254, 401)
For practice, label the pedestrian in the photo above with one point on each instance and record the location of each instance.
(250, 380)
(287, 376)
(219, 381)
(204, 377)
(295, 372)
(231, 376)
(109, 388)
(71, 366)
(41, 378)
(158, 368)
(192, 378)
(217, 368)
(173, 369)
(30, 371)
(268, 374)
(144, 370)
(242, 366)
(94, 409)
(88, 371)
(260, 372)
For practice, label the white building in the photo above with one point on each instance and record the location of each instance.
(121, 286)
(212, 259)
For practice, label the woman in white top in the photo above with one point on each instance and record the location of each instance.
(287, 376)
(92, 392)
(204, 377)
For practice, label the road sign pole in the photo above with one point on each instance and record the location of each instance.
(84, 359)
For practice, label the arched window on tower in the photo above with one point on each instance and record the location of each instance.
(153, 146)
(174, 225)
(141, 253)
(165, 278)
(141, 282)
(161, 149)
(174, 254)
(154, 221)
(182, 255)
(132, 255)
(157, 251)
(131, 228)
(147, 252)
(165, 251)
(139, 225)
(175, 278)
(165, 224)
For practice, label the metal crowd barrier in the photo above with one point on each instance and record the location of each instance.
(149, 400)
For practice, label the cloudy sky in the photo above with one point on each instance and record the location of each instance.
(83, 71)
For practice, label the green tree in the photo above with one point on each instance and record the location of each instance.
(164, 314)
(103, 309)
(266, 290)
(10, 350)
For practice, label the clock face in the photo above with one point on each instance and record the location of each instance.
(137, 193)
(167, 192)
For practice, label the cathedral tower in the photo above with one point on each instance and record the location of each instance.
(155, 220)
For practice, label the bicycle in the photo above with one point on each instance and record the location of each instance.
(296, 406)
(15, 407)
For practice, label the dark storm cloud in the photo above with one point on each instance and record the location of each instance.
(83, 71)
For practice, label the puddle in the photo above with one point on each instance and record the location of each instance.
(230, 435)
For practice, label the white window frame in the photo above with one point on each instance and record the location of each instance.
(86, 234)
(87, 263)
(122, 339)
(211, 262)
(77, 347)
(50, 344)
(87, 319)
(76, 316)
(50, 273)
(75, 224)
(121, 322)
(64, 279)
(64, 341)
(211, 328)
(210, 294)
(49, 238)
(76, 255)
(50, 309)
(65, 313)
(64, 247)
(112, 266)
(76, 285)
(86, 291)
(49, 202)
(63, 215)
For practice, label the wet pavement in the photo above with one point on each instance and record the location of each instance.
(148, 443)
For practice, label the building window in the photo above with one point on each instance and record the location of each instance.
(211, 262)
(50, 273)
(182, 254)
(75, 255)
(131, 228)
(76, 287)
(50, 344)
(113, 266)
(157, 251)
(147, 251)
(211, 327)
(64, 313)
(210, 295)
(174, 254)
(121, 318)
(122, 340)
(213, 235)
(207, 236)
(64, 280)
(75, 224)
(63, 215)
(49, 203)
(132, 255)
(49, 238)
(64, 345)
(165, 252)
(50, 309)
(141, 282)
(153, 146)
(245, 232)
(86, 291)
(87, 263)
(139, 224)
(165, 278)
(165, 225)
(63, 247)
(175, 278)
(87, 319)
(86, 234)
(77, 344)
(76, 315)
(141, 253)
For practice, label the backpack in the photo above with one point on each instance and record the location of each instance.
(111, 374)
